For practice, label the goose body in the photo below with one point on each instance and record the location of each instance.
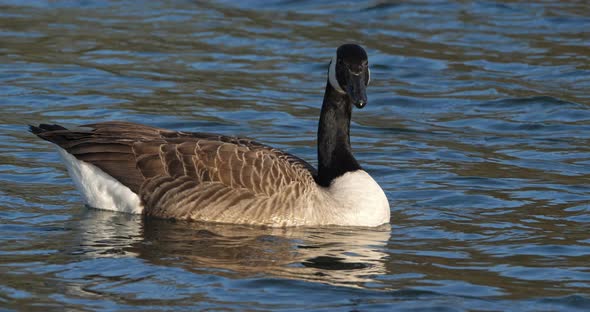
(161, 173)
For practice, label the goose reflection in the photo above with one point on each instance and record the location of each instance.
(333, 255)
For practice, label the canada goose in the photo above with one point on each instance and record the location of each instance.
(134, 168)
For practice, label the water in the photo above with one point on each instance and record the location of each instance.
(477, 128)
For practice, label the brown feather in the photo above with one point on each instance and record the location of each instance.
(186, 175)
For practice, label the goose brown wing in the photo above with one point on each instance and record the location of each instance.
(146, 158)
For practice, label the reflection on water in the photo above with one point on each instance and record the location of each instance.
(337, 256)
(477, 127)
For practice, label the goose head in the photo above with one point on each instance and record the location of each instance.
(349, 73)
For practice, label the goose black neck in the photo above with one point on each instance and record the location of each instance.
(334, 153)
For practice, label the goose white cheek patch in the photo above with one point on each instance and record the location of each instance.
(332, 76)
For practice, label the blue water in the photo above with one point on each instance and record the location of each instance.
(477, 128)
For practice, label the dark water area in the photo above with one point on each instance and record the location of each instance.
(477, 128)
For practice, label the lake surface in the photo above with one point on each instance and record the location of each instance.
(477, 128)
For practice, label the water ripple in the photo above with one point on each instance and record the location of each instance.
(477, 128)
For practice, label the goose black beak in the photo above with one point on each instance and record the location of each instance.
(357, 90)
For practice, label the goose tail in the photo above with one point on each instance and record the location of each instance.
(44, 128)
